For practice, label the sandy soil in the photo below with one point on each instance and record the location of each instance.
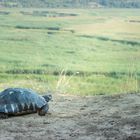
(79, 118)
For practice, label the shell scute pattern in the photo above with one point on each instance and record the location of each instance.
(16, 100)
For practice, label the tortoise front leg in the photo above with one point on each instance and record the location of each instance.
(3, 116)
(43, 110)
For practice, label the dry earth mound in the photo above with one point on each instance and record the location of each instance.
(114, 117)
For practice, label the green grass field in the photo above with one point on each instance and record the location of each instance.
(75, 51)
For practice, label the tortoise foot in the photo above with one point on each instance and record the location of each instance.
(3, 116)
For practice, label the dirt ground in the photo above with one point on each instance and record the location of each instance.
(79, 118)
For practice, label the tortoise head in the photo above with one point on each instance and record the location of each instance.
(47, 97)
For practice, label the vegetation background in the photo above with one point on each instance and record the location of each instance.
(71, 3)
(81, 48)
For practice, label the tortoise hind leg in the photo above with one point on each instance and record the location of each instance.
(3, 116)
(43, 110)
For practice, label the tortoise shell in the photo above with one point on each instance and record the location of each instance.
(19, 101)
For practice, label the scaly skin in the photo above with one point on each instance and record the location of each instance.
(3, 116)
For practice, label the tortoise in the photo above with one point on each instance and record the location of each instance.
(18, 101)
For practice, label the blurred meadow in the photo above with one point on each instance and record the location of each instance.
(72, 51)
